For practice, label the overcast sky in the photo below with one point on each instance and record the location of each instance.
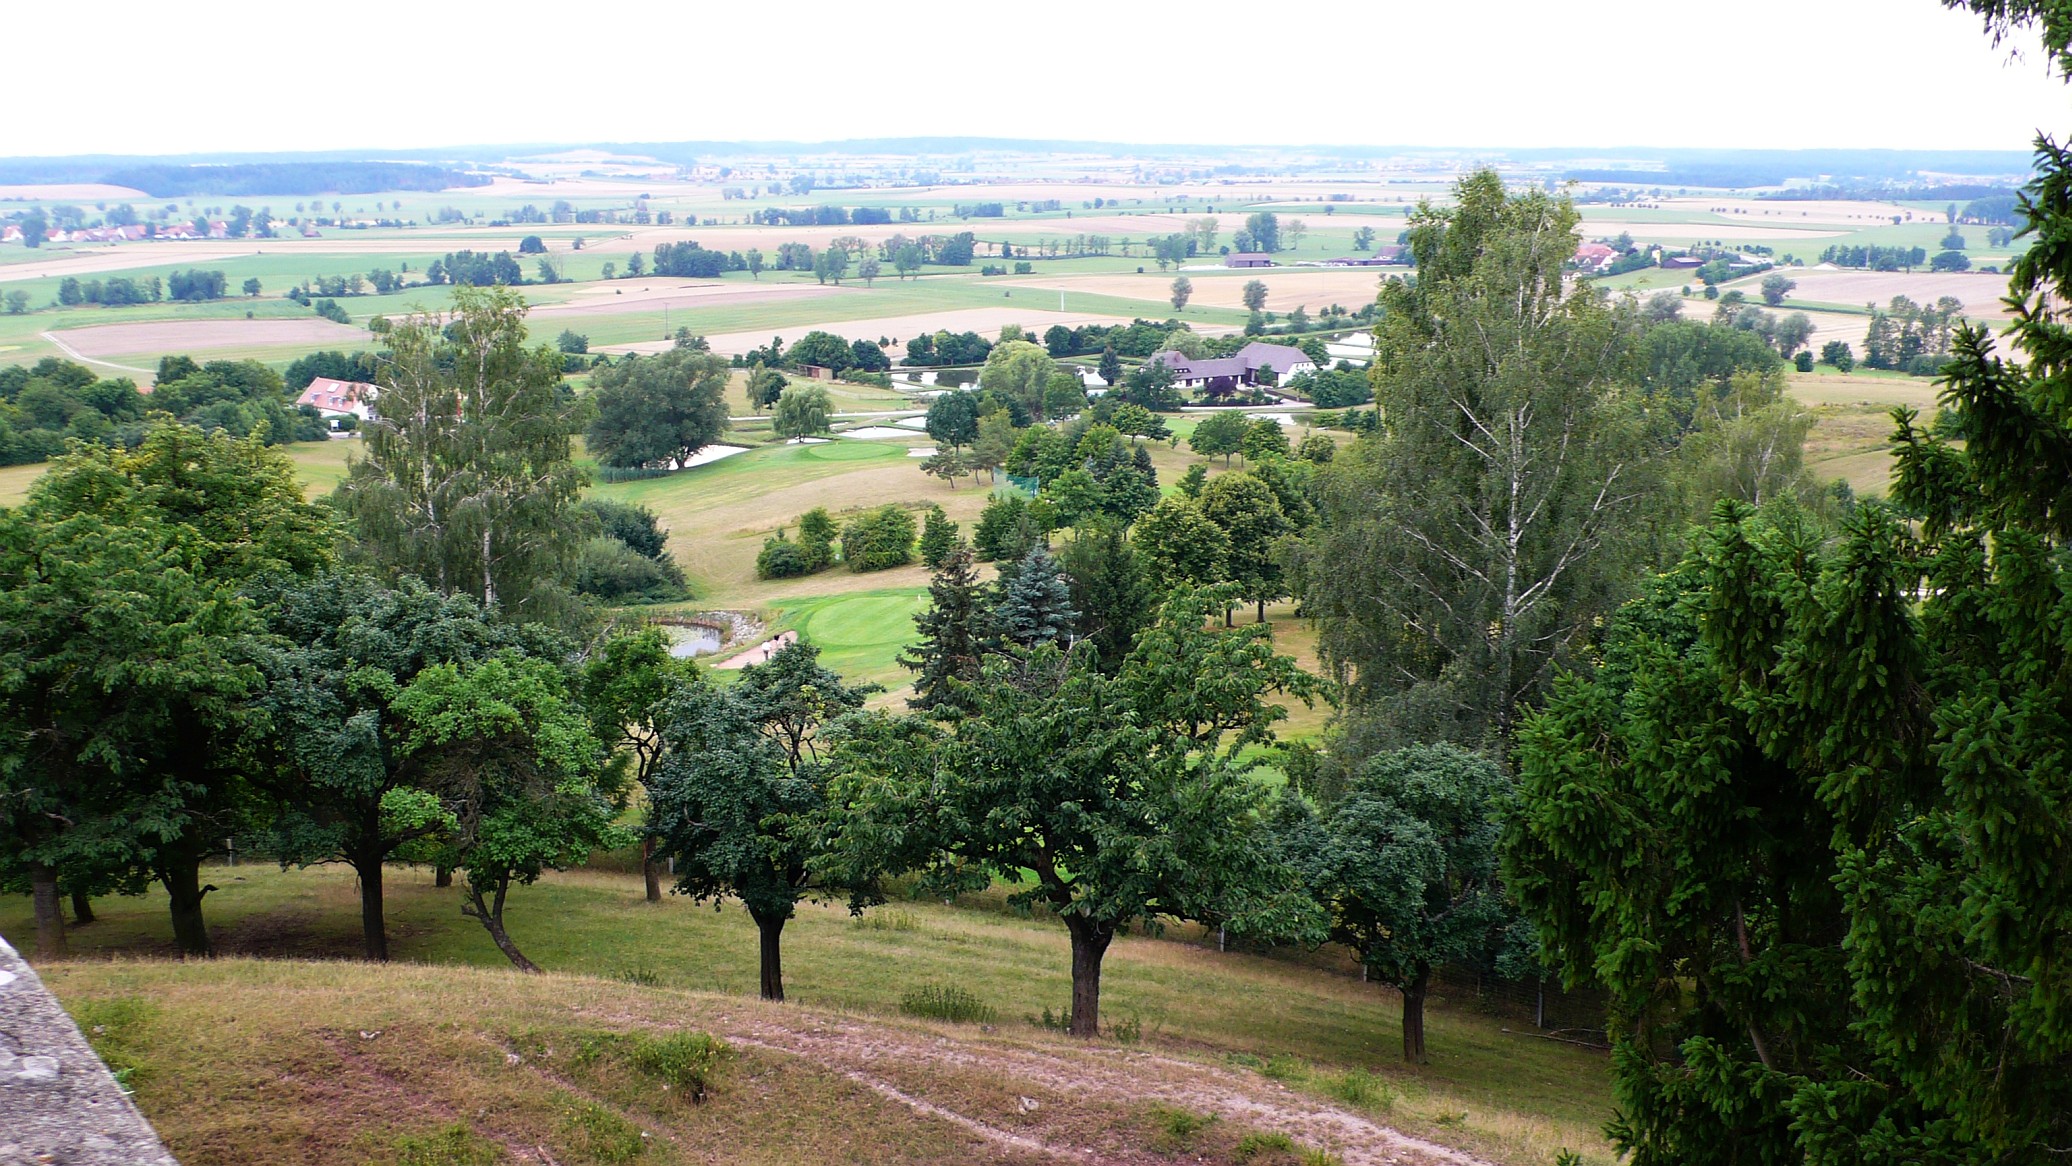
(1482, 73)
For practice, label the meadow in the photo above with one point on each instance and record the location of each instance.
(339, 1059)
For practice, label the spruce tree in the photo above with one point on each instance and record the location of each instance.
(1036, 603)
(938, 538)
(952, 633)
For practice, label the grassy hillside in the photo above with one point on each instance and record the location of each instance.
(239, 1057)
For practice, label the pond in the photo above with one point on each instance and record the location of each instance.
(691, 639)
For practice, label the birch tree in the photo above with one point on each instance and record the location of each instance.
(1480, 533)
(468, 480)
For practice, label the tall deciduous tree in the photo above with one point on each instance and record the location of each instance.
(1481, 534)
(740, 800)
(1252, 519)
(657, 410)
(468, 480)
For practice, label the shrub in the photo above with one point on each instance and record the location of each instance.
(879, 539)
(945, 1002)
(1803, 362)
(1059, 1022)
(781, 559)
(1127, 1032)
(615, 572)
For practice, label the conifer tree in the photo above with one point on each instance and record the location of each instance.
(1036, 604)
(952, 633)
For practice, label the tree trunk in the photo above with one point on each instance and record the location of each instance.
(1262, 611)
(1090, 942)
(1413, 1016)
(492, 918)
(181, 876)
(373, 930)
(50, 920)
(442, 876)
(771, 928)
(82, 909)
(650, 870)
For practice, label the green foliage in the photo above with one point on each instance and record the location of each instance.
(945, 1002)
(1097, 800)
(1219, 433)
(879, 539)
(1472, 546)
(685, 1063)
(505, 741)
(1362, 1090)
(765, 385)
(1258, 1142)
(1177, 1127)
(739, 800)
(938, 538)
(952, 634)
(1408, 869)
(1252, 521)
(657, 410)
(1005, 531)
(469, 483)
(781, 558)
(802, 411)
(817, 538)
(1035, 605)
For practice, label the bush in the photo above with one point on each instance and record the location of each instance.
(614, 572)
(944, 1002)
(1803, 362)
(330, 310)
(782, 559)
(879, 539)
(632, 524)
(1360, 1088)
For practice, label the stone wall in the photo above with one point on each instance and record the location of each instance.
(59, 1105)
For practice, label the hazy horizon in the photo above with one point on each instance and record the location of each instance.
(1772, 74)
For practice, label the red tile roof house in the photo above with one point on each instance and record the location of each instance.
(1595, 256)
(1248, 259)
(335, 398)
(1243, 367)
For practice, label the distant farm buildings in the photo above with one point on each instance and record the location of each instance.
(335, 399)
(1223, 374)
(1248, 259)
(1592, 258)
(1379, 257)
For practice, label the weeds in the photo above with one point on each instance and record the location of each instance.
(645, 977)
(454, 1145)
(686, 1062)
(1260, 1142)
(1177, 1127)
(1127, 1032)
(602, 1135)
(1058, 1022)
(1452, 1119)
(1360, 1088)
(1282, 1067)
(945, 1002)
(891, 920)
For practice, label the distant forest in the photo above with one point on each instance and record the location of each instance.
(161, 180)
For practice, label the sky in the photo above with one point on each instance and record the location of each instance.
(377, 74)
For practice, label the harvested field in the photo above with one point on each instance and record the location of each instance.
(1837, 212)
(985, 321)
(200, 335)
(87, 259)
(1286, 288)
(1980, 293)
(628, 295)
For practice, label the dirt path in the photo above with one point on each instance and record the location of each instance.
(920, 1071)
(83, 358)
